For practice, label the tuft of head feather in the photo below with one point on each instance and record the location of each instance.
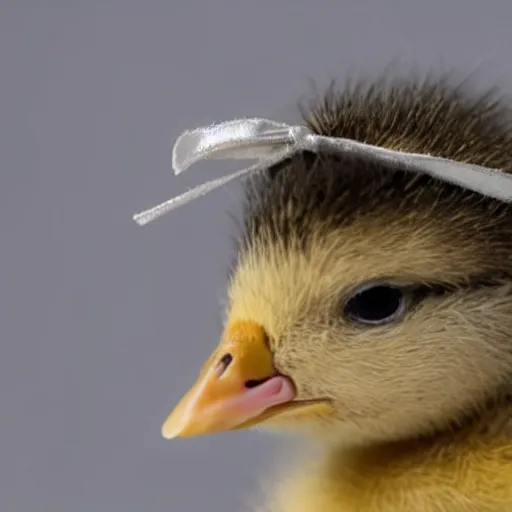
(297, 199)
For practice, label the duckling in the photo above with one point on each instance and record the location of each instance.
(370, 310)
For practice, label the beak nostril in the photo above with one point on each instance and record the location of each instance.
(224, 362)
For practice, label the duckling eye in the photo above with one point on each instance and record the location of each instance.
(376, 305)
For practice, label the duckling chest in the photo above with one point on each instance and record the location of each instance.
(470, 479)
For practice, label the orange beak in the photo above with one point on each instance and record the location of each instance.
(238, 387)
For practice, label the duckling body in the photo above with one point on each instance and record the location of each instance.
(371, 309)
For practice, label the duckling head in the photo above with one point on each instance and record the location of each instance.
(367, 303)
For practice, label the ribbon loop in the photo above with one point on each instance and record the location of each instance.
(239, 139)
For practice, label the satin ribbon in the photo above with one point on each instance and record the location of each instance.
(269, 142)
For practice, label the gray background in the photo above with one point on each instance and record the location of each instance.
(104, 324)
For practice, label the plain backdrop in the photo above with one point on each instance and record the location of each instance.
(104, 324)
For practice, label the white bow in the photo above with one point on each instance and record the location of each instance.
(270, 142)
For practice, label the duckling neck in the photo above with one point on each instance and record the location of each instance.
(466, 467)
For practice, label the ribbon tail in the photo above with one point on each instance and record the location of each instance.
(147, 216)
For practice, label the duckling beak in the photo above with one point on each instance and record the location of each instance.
(238, 387)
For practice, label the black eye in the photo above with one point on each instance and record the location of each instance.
(376, 305)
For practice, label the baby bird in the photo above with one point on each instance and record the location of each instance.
(370, 309)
